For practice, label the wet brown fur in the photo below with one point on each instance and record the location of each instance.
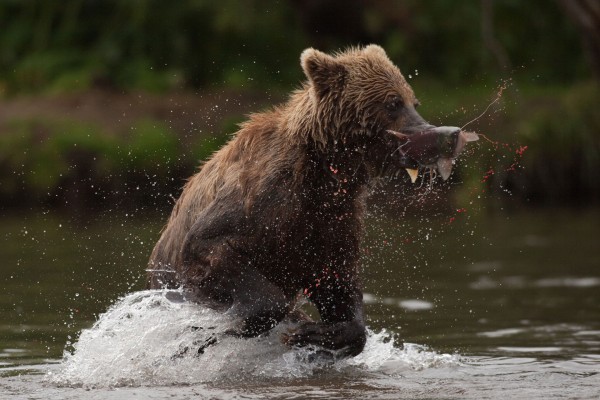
(281, 205)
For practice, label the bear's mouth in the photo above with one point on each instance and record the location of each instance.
(433, 148)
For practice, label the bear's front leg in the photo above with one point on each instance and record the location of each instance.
(255, 304)
(219, 272)
(342, 326)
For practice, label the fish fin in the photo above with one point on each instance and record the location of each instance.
(399, 134)
(469, 136)
(463, 138)
(404, 138)
(444, 167)
(413, 173)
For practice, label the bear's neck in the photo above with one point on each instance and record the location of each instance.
(314, 122)
(331, 162)
(334, 176)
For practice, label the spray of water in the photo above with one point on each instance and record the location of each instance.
(501, 90)
(143, 340)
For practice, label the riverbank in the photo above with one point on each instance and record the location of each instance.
(100, 147)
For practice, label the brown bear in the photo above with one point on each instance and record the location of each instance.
(277, 213)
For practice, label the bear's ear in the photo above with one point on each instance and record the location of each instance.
(375, 49)
(323, 71)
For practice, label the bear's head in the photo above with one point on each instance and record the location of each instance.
(359, 96)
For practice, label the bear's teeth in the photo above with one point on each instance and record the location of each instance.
(413, 173)
(444, 167)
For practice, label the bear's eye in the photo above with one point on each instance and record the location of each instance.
(393, 104)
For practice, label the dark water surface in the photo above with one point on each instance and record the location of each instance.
(485, 306)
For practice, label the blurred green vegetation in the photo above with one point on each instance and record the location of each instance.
(157, 45)
(80, 166)
(146, 44)
(456, 55)
(563, 150)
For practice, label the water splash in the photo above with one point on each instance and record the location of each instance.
(501, 89)
(143, 340)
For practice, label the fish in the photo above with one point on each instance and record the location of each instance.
(435, 149)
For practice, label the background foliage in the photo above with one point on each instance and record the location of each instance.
(456, 53)
(155, 45)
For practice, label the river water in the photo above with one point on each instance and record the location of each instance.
(474, 305)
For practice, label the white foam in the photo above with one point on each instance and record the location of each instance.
(514, 349)
(502, 332)
(519, 282)
(140, 341)
(585, 282)
(416, 304)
